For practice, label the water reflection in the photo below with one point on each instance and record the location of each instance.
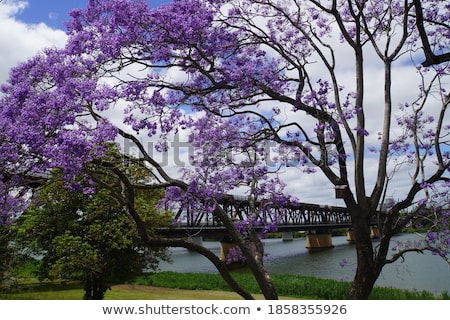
(418, 271)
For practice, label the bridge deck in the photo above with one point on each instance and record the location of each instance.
(292, 217)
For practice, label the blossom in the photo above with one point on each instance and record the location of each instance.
(361, 131)
(344, 262)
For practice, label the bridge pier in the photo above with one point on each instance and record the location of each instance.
(375, 232)
(350, 235)
(288, 236)
(319, 239)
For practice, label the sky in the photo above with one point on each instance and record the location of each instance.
(55, 12)
(52, 13)
(26, 27)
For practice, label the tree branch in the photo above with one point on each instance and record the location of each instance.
(430, 57)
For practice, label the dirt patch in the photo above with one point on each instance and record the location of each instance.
(130, 291)
(158, 293)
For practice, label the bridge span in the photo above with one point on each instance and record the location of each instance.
(313, 218)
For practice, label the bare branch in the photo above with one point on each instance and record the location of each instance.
(400, 254)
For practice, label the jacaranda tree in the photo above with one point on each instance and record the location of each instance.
(234, 76)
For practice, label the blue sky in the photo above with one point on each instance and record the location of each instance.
(54, 13)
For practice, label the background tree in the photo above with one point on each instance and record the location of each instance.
(298, 74)
(6, 256)
(9, 255)
(85, 237)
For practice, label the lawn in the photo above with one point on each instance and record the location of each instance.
(123, 292)
(199, 286)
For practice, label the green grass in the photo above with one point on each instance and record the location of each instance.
(44, 291)
(196, 286)
(126, 292)
(287, 285)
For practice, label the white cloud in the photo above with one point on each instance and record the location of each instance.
(20, 41)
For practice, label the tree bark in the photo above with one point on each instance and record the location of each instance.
(365, 276)
(260, 273)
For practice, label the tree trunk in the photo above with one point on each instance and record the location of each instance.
(366, 273)
(363, 281)
(94, 288)
(88, 288)
(262, 277)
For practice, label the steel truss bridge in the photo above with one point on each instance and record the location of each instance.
(289, 218)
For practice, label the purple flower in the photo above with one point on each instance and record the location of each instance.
(344, 262)
(423, 202)
(361, 131)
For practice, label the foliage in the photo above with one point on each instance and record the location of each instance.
(6, 256)
(27, 269)
(83, 237)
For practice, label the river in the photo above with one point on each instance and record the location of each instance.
(418, 271)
